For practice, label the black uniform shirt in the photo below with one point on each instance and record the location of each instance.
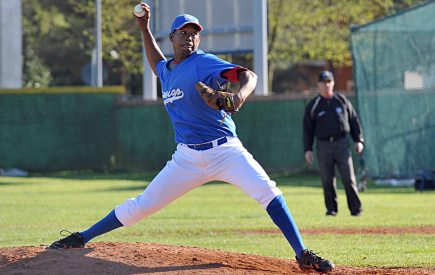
(330, 118)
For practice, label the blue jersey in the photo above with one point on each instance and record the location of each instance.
(193, 120)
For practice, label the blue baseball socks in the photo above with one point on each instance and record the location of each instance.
(277, 210)
(281, 216)
(106, 224)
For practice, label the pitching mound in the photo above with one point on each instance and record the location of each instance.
(142, 258)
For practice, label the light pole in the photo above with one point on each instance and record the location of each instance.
(97, 62)
(149, 86)
(260, 46)
(11, 56)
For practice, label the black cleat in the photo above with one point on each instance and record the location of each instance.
(74, 240)
(309, 260)
(356, 213)
(331, 213)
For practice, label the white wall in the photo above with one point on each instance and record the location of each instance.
(11, 59)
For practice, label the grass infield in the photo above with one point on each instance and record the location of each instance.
(219, 216)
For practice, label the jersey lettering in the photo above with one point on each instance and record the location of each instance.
(172, 95)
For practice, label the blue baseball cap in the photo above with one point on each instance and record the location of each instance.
(326, 76)
(184, 19)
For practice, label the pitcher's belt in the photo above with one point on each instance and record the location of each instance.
(208, 145)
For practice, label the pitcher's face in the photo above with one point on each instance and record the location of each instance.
(185, 40)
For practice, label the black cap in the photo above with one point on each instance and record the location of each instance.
(326, 75)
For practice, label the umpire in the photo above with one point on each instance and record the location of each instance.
(331, 118)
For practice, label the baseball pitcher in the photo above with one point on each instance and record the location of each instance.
(207, 145)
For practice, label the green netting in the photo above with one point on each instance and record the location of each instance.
(43, 132)
(270, 129)
(394, 72)
(49, 132)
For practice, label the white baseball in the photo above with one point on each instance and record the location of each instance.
(138, 11)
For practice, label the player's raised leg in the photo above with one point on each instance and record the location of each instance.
(238, 167)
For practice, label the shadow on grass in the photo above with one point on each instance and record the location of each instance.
(75, 261)
(304, 179)
(375, 189)
(312, 179)
(15, 183)
(125, 188)
(142, 187)
(93, 175)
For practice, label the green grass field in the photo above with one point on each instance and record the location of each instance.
(219, 216)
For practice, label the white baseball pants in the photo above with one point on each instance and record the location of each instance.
(189, 168)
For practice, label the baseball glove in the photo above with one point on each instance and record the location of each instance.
(217, 99)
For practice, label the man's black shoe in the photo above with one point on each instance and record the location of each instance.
(356, 213)
(331, 213)
(309, 260)
(74, 240)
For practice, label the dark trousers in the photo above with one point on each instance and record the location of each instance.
(329, 155)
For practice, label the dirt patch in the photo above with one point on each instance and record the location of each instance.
(142, 258)
(369, 230)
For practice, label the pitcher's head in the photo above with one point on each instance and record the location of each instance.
(185, 35)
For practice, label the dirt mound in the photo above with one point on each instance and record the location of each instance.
(142, 258)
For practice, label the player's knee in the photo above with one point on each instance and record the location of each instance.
(267, 194)
(133, 210)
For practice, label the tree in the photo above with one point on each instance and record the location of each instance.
(301, 31)
(61, 35)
